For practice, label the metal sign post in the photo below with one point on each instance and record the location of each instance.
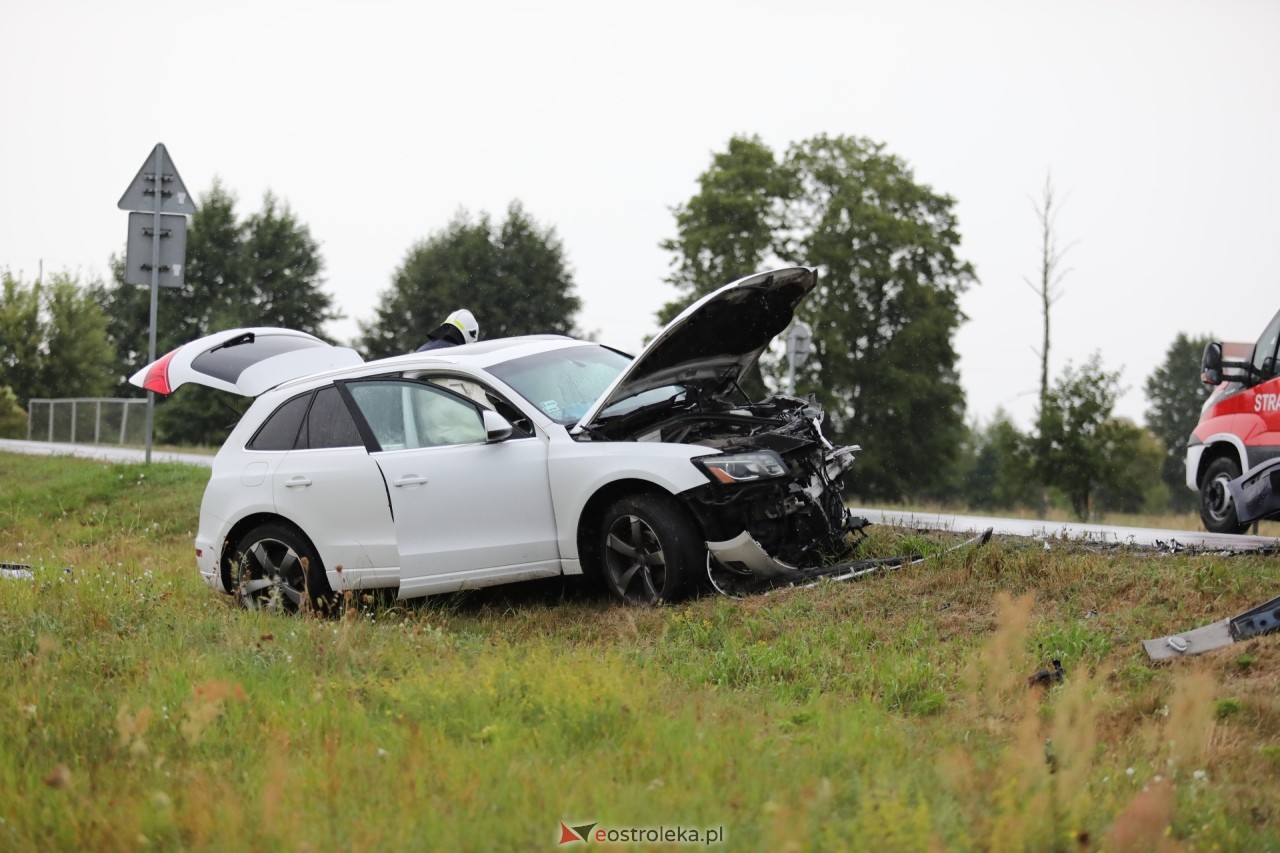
(157, 244)
(799, 345)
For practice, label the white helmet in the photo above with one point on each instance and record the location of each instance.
(466, 323)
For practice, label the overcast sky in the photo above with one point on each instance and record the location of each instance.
(377, 122)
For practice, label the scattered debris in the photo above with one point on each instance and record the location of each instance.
(1047, 677)
(739, 584)
(16, 571)
(1263, 619)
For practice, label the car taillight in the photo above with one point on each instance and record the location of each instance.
(158, 375)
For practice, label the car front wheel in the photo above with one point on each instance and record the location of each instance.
(275, 568)
(650, 550)
(1217, 510)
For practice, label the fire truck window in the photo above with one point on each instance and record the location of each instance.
(1264, 353)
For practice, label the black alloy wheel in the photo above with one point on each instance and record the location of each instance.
(276, 569)
(650, 550)
(1217, 510)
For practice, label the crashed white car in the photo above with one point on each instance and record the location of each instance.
(513, 459)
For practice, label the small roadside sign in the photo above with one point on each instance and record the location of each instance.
(172, 236)
(799, 342)
(155, 255)
(799, 345)
(157, 181)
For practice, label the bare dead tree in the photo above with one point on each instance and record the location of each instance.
(1048, 289)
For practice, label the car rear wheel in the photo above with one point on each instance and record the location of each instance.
(1217, 510)
(276, 568)
(650, 550)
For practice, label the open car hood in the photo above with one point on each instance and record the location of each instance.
(715, 340)
(244, 361)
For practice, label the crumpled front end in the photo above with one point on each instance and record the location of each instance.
(766, 519)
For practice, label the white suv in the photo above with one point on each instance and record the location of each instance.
(512, 459)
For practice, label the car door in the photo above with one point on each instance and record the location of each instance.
(333, 490)
(467, 512)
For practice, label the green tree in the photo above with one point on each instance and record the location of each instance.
(1175, 395)
(78, 357)
(727, 230)
(1133, 482)
(1001, 475)
(13, 418)
(283, 270)
(513, 276)
(53, 339)
(1079, 446)
(886, 308)
(263, 271)
(217, 285)
(20, 337)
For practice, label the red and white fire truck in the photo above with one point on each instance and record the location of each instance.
(1238, 438)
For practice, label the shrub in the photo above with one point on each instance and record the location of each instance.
(13, 418)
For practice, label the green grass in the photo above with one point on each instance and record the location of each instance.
(893, 713)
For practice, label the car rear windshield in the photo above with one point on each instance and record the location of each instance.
(231, 358)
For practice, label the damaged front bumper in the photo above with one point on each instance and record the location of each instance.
(740, 565)
(773, 527)
(745, 556)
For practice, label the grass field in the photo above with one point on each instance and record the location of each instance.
(141, 710)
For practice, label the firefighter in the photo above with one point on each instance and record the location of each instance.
(460, 327)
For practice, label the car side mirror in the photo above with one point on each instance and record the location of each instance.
(1211, 364)
(496, 427)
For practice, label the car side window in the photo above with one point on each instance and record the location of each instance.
(410, 415)
(329, 424)
(488, 398)
(280, 431)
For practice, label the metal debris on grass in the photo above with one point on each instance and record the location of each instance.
(16, 571)
(1046, 677)
(1263, 619)
(738, 584)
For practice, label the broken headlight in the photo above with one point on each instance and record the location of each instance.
(733, 468)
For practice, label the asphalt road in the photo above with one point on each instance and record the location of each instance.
(1031, 528)
(1047, 530)
(103, 452)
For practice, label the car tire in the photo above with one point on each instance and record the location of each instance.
(649, 550)
(1217, 510)
(274, 567)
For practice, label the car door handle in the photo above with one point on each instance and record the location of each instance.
(294, 482)
(410, 480)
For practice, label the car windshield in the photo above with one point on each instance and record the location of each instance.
(564, 383)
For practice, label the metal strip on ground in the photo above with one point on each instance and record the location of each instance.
(1102, 533)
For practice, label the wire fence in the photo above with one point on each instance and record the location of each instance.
(88, 420)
